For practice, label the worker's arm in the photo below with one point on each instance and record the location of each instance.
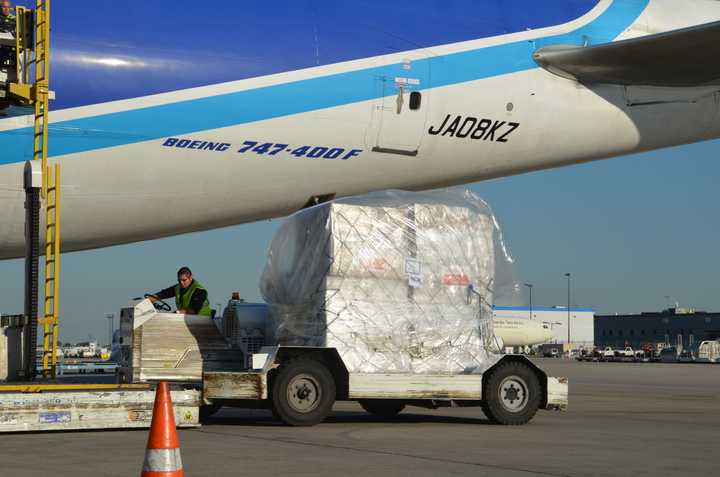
(196, 303)
(163, 294)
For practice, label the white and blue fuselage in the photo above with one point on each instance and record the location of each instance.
(171, 118)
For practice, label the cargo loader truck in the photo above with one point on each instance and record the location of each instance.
(242, 367)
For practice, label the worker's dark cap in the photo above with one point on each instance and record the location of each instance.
(184, 271)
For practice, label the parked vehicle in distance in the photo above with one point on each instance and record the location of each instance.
(608, 354)
(643, 356)
(621, 354)
(708, 352)
(686, 356)
(551, 350)
(585, 354)
(669, 355)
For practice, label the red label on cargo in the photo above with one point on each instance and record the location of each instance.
(376, 264)
(455, 279)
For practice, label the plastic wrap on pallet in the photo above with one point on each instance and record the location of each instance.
(396, 281)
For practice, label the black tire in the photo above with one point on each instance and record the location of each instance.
(208, 410)
(384, 408)
(303, 393)
(511, 394)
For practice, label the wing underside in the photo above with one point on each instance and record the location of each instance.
(679, 58)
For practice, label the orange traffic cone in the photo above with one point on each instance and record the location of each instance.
(162, 457)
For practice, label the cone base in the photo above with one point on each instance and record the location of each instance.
(171, 473)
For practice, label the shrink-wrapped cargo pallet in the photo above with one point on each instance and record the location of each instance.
(396, 281)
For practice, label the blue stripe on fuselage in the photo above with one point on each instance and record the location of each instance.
(317, 93)
(105, 50)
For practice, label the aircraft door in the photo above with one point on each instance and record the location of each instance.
(400, 110)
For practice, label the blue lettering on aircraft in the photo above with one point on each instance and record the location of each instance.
(265, 148)
(324, 152)
(192, 144)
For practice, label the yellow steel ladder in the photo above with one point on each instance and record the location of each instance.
(52, 270)
(33, 52)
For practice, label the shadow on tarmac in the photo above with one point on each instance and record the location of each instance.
(263, 418)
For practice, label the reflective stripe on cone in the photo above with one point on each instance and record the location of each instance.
(162, 460)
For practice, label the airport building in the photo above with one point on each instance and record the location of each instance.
(581, 332)
(680, 327)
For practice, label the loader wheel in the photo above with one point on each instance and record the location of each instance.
(303, 393)
(511, 394)
(383, 408)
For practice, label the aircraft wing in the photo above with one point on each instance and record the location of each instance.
(686, 57)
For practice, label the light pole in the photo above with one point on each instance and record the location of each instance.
(568, 307)
(529, 285)
(111, 323)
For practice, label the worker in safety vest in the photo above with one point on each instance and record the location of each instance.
(7, 54)
(7, 17)
(191, 297)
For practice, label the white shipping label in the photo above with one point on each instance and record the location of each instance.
(413, 270)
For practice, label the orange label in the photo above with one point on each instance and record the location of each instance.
(456, 279)
(376, 264)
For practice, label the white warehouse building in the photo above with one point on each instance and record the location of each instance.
(582, 322)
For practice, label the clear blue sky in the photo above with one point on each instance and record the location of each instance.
(631, 230)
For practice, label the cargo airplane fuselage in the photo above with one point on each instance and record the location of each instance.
(171, 118)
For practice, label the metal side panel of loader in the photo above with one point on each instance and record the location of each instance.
(557, 394)
(90, 409)
(437, 387)
(235, 385)
(415, 386)
(167, 346)
(253, 385)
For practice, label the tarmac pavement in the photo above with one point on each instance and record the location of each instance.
(633, 419)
